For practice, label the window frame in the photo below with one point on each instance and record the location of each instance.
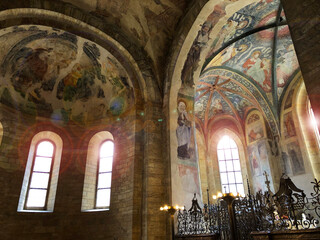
(25, 207)
(98, 173)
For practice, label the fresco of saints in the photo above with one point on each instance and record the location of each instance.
(255, 135)
(296, 159)
(258, 69)
(256, 168)
(287, 65)
(183, 131)
(289, 126)
(226, 55)
(217, 106)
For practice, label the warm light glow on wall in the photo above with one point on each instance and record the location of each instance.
(314, 124)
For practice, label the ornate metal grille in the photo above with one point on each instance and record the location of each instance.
(233, 218)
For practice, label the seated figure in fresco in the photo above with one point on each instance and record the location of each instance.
(258, 69)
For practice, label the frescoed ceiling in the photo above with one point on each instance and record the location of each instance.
(248, 67)
(151, 22)
(249, 18)
(52, 73)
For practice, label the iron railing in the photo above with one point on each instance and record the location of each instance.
(233, 218)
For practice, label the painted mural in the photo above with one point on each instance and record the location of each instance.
(253, 118)
(259, 164)
(189, 178)
(263, 154)
(285, 164)
(254, 128)
(288, 102)
(185, 127)
(250, 55)
(150, 22)
(287, 62)
(200, 42)
(183, 131)
(213, 97)
(255, 161)
(240, 94)
(296, 159)
(255, 132)
(289, 128)
(55, 74)
(274, 145)
(240, 104)
(246, 19)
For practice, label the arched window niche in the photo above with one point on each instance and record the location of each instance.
(40, 180)
(214, 176)
(306, 133)
(260, 157)
(97, 182)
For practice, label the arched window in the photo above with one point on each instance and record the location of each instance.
(97, 181)
(104, 175)
(41, 175)
(229, 166)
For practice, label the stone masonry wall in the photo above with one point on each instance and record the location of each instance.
(66, 221)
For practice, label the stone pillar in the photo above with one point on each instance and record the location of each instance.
(303, 18)
(155, 175)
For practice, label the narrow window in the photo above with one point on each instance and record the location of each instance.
(97, 179)
(104, 175)
(40, 180)
(229, 166)
(40, 177)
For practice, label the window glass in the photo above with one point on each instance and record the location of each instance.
(40, 176)
(104, 174)
(36, 198)
(229, 166)
(103, 198)
(45, 149)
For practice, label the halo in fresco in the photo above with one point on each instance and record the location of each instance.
(52, 73)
